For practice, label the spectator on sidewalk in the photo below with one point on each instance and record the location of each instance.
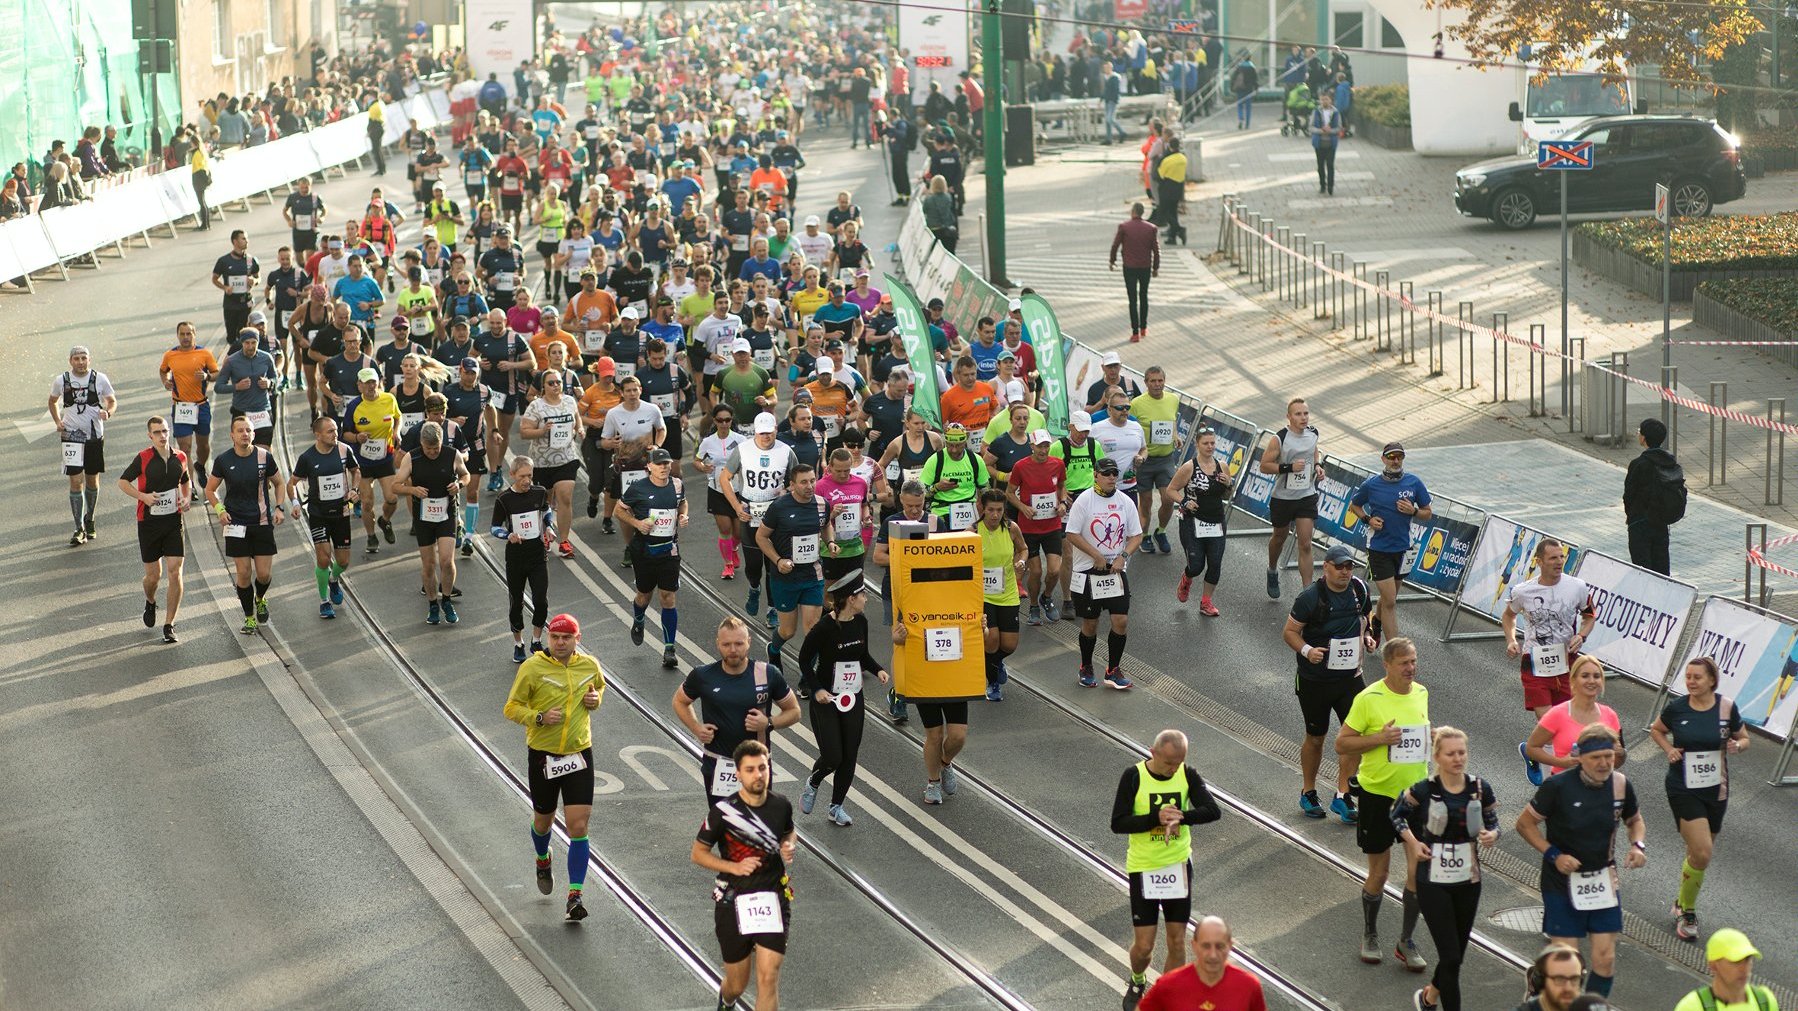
(939, 213)
(1245, 80)
(1292, 72)
(109, 152)
(1170, 190)
(1344, 96)
(233, 126)
(1111, 92)
(87, 151)
(1140, 243)
(1326, 130)
(1654, 498)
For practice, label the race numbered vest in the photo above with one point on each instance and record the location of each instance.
(764, 472)
(999, 578)
(1151, 850)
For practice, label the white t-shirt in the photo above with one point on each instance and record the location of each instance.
(716, 451)
(81, 422)
(717, 335)
(679, 291)
(1107, 523)
(1549, 614)
(629, 425)
(1122, 443)
(580, 252)
(815, 247)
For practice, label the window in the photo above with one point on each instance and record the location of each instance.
(1347, 29)
(277, 29)
(221, 29)
(1389, 36)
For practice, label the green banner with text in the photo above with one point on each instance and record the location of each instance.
(914, 332)
(1044, 332)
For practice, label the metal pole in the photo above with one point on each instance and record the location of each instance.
(1501, 323)
(1360, 293)
(1464, 359)
(1748, 561)
(1338, 263)
(1283, 235)
(1301, 272)
(1667, 305)
(1620, 364)
(1383, 322)
(1243, 263)
(1320, 295)
(1717, 471)
(992, 62)
(1407, 337)
(1566, 387)
(1436, 305)
(1776, 413)
(1670, 379)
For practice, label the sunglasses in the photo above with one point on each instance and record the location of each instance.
(1394, 456)
(1120, 407)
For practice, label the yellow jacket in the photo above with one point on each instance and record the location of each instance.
(542, 684)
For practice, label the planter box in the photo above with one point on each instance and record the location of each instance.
(1776, 161)
(1638, 275)
(1733, 324)
(1395, 138)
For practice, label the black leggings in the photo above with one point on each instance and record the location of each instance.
(598, 462)
(752, 555)
(1203, 554)
(839, 742)
(1449, 911)
(527, 566)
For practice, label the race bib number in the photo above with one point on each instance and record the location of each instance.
(1549, 661)
(1451, 863)
(238, 284)
(976, 439)
(832, 426)
(846, 678)
(1413, 745)
(169, 502)
(992, 581)
(551, 233)
(434, 510)
(591, 132)
(332, 487)
(527, 525)
(1201, 529)
(1044, 505)
(1344, 654)
(260, 419)
(556, 766)
(1300, 480)
(302, 222)
(592, 341)
(665, 402)
(629, 477)
(848, 522)
(1161, 433)
(1106, 586)
(662, 521)
(187, 413)
(763, 357)
(724, 777)
(908, 476)
(805, 549)
(759, 913)
(1593, 890)
(510, 179)
(234, 530)
(1165, 883)
(1703, 769)
(961, 515)
(942, 644)
(505, 280)
(756, 511)
(561, 434)
(625, 369)
(409, 421)
(74, 454)
(739, 243)
(374, 449)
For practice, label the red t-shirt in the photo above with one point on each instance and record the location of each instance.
(555, 166)
(1028, 478)
(1026, 359)
(512, 173)
(1182, 990)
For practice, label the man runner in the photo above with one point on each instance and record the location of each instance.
(754, 834)
(158, 479)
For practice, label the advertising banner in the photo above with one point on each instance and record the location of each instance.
(937, 36)
(1082, 369)
(969, 298)
(1239, 443)
(1442, 546)
(1755, 659)
(1044, 332)
(1506, 557)
(1333, 491)
(915, 334)
(1641, 616)
(500, 33)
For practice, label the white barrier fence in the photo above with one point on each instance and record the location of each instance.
(36, 242)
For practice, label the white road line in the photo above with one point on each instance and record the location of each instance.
(1318, 203)
(1307, 156)
(36, 428)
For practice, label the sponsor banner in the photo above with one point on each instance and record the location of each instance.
(937, 36)
(1130, 10)
(1082, 371)
(1334, 490)
(1506, 558)
(970, 297)
(1239, 444)
(1442, 546)
(1043, 331)
(1641, 616)
(1186, 421)
(500, 33)
(914, 334)
(1757, 661)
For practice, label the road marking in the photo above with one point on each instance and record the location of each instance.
(36, 428)
(1308, 156)
(1318, 203)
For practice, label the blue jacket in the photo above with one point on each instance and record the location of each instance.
(1344, 96)
(1113, 88)
(1318, 122)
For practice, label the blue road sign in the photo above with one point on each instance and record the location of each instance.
(1577, 155)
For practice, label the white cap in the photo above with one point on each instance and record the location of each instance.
(630, 312)
(1041, 435)
(811, 220)
(1080, 420)
(740, 346)
(1014, 305)
(765, 422)
(1111, 358)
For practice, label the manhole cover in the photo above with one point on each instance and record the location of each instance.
(1523, 919)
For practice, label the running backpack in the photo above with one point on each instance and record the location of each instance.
(1761, 997)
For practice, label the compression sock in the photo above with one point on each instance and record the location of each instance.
(540, 843)
(75, 506)
(322, 576)
(261, 589)
(1370, 911)
(1114, 648)
(724, 549)
(670, 624)
(578, 851)
(1410, 916)
(1600, 985)
(1087, 644)
(471, 518)
(1139, 978)
(637, 611)
(90, 494)
(246, 601)
(1691, 879)
(774, 646)
(336, 572)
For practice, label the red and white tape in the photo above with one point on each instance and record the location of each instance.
(1664, 393)
(1736, 344)
(1759, 558)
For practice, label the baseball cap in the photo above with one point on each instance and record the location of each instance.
(802, 396)
(811, 220)
(833, 345)
(605, 366)
(1340, 554)
(1041, 435)
(257, 317)
(565, 624)
(740, 346)
(471, 364)
(1393, 447)
(660, 455)
(1111, 358)
(955, 433)
(861, 272)
(401, 322)
(663, 300)
(1730, 945)
(1007, 356)
(935, 303)
(765, 422)
(1080, 420)
(1014, 305)
(1106, 466)
(368, 376)
(630, 312)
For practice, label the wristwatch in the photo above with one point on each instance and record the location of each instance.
(1641, 845)
(539, 719)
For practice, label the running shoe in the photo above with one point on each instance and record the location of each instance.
(637, 632)
(896, 707)
(468, 547)
(386, 529)
(773, 620)
(435, 615)
(1183, 592)
(1309, 804)
(1087, 680)
(92, 534)
(1370, 949)
(1343, 807)
(1273, 585)
(730, 570)
(493, 482)
(840, 816)
(1036, 615)
(1207, 608)
(669, 660)
(1066, 610)
(1418, 1003)
(536, 646)
(1686, 928)
(168, 634)
(374, 544)
(933, 793)
(1410, 957)
(449, 612)
(624, 559)
(1148, 545)
(808, 796)
(78, 538)
(518, 653)
(262, 609)
(1051, 610)
(1133, 994)
(1161, 542)
(576, 911)
(1116, 678)
(249, 625)
(336, 591)
(325, 610)
(149, 614)
(592, 507)
(951, 780)
(607, 528)
(993, 694)
(546, 878)
(754, 603)
(1531, 767)
(565, 549)
(281, 387)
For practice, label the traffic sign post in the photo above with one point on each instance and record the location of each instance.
(1663, 212)
(1564, 157)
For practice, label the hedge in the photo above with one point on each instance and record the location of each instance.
(1385, 104)
(1731, 242)
(1773, 301)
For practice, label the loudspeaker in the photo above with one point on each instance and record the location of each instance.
(1014, 27)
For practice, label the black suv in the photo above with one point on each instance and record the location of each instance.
(1699, 160)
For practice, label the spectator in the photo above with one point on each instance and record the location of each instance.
(1654, 498)
(1345, 98)
(1245, 80)
(1292, 72)
(233, 126)
(1340, 66)
(87, 152)
(51, 156)
(59, 191)
(21, 177)
(109, 152)
(12, 202)
(201, 168)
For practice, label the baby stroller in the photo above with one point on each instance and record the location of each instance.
(1299, 106)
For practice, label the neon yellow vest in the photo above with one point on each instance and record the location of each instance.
(1149, 850)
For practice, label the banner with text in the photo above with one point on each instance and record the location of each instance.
(1506, 558)
(1442, 545)
(914, 333)
(1641, 616)
(1757, 661)
(500, 33)
(1044, 333)
(1239, 444)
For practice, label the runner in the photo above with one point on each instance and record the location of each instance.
(1124, 441)
(1559, 613)
(502, 270)
(1390, 502)
(304, 210)
(753, 901)
(1111, 377)
(187, 372)
(1103, 533)
(1551, 743)
(1572, 821)
(790, 539)
(432, 475)
(157, 478)
(329, 469)
(597, 400)
(656, 508)
(1037, 490)
(287, 284)
(504, 355)
(668, 387)
(465, 404)
(1202, 487)
(954, 477)
(235, 274)
(1156, 802)
(1157, 412)
(834, 662)
(1002, 557)
(1729, 953)
(1080, 454)
(709, 457)
(250, 510)
(371, 423)
(1443, 821)
(945, 723)
(249, 376)
(522, 519)
(553, 697)
(970, 403)
(755, 474)
(1698, 732)
(1209, 979)
(734, 697)
(1327, 630)
(553, 424)
(1388, 727)
(81, 399)
(1293, 456)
